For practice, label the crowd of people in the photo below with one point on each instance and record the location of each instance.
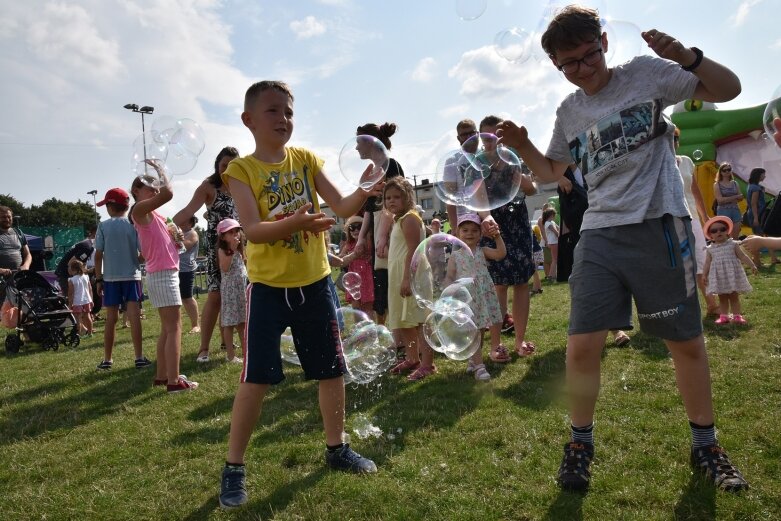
(265, 226)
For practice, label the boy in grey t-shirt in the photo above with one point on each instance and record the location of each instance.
(637, 231)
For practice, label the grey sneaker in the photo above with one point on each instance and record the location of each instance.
(348, 460)
(105, 365)
(233, 488)
(142, 362)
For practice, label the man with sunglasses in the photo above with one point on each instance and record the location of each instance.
(636, 234)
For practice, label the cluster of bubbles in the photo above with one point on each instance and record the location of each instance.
(449, 328)
(368, 348)
(363, 162)
(171, 147)
(481, 175)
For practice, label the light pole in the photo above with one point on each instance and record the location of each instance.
(146, 109)
(93, 193)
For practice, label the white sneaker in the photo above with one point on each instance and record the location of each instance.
(235, 360)
(481, 373)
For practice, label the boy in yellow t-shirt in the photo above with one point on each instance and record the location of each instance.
(275, 191)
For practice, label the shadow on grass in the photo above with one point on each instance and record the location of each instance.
(698, 501)
(541, 384)
(567, 505)
(104, 394)
(650, 346)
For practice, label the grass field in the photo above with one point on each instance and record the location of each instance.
(78, 444)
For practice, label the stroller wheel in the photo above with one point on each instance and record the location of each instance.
(12, 343)
(50, 343)
(73, 339)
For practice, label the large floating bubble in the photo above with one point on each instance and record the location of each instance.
(368, 348)
(470, 9)
(456, 336)
(772, 111)
(513, 44)
(624, 42)
(454, 181)
(175, 142)
(288, 349)
(432, 273)
(500, 170)
(352, 284)
(363, 162)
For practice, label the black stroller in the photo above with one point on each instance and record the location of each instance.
(42, 313)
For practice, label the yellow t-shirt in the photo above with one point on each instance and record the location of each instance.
(280, 189)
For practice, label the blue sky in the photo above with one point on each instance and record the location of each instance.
(70, 66)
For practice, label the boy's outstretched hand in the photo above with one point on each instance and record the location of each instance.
(511, 135)
(667, 47)
(311, 222)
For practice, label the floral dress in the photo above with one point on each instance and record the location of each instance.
(221, 208)
(517, 267)
(233, 309)
(726, 273)
(485, 303)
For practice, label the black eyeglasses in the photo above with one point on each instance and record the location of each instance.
(728, 169)
(354, 227)
(467, 133)
(718, 229)
(571, 67)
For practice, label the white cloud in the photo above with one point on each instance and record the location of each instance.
(454, 111)
(425, 70)
(744, 9)
(309, 27)
(776, 44)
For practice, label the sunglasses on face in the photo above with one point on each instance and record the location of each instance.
(718, 229)
(728, 169)
(354, 227)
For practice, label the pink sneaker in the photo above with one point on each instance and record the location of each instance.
(739, 320)
(723, 319)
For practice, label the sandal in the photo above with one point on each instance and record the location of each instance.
(203, 357)
(621, 339)
(422, 372)
(405, 366)
(499, 354)
(526, 349)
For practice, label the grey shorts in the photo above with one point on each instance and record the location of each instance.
(652, 262)
(163, 288)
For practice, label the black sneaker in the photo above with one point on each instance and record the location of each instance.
(574, 474)
(105, 366)
(233, 488)
(348, 460)
(142, 362)
(714, 464)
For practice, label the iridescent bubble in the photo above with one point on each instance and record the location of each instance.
(624, 41)
(513, 44)
(287, 348)
(500, 169)
(457, 337)
(164, 127)
(148, 146)
(189, 137)
(454, 181)
(152, 172)
(431, 269)
(470, 9)
(368, 349)
(352, 284)
(363, 162)
(697, 155)
(772, 111)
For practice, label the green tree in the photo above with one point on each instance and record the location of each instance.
(10, 201)
(53, 212)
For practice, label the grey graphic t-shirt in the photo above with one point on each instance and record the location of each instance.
(623, 143)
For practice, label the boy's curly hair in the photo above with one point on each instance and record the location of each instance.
(574, 25)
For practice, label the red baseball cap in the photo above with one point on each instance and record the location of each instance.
(116, 196)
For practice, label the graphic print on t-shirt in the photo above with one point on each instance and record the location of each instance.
(286, 192)
(616, 135)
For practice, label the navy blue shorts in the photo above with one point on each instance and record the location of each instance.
(186, 283)
(116, 293)
(310, 314)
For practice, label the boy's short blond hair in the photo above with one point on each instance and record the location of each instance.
(256, 88)
(574, 25)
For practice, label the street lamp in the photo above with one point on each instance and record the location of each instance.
(93, 193)
(146, 109)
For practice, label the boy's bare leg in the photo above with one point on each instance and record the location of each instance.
(112, 315)
(692, 375)
(331, 395)
(246, 411)
(583, 375)
(133, 315)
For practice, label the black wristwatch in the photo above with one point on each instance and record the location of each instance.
(697, 60)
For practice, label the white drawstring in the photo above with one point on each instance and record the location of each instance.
(288, 302)
(303, 298)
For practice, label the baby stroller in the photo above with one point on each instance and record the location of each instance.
(42, 313)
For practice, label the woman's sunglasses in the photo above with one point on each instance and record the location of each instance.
(728, 169)
(718, 229)
(354, 227)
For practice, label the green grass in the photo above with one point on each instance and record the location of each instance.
(77, 444)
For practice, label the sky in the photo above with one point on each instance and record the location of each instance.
(69, 67)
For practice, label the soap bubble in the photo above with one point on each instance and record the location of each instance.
(429, 271)
(456, 336)
(363, 162)
(624, 42)
(772, 111)
(288, 349)
(697, 155)
(153, 173)
(513, 44)
(352, 284)
(454, 181)
(163, 127)
(470, 9)
(368, 349)
(500, 170)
